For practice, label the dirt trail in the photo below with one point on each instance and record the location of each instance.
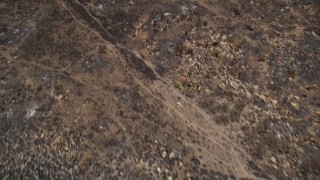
(218, 147)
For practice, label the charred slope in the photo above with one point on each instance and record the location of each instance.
(159, 89)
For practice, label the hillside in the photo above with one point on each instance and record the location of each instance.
(159, 89)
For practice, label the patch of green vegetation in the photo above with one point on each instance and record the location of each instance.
(188, 87)
(186, 84)
(72, 156)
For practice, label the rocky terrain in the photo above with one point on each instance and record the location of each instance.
(159, 89)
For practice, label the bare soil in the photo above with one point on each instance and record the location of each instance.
(159, 89)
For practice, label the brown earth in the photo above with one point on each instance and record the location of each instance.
(170, 89)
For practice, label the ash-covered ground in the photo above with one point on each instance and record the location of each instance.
(159, 89)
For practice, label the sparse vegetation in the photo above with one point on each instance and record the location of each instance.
(151, 89)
